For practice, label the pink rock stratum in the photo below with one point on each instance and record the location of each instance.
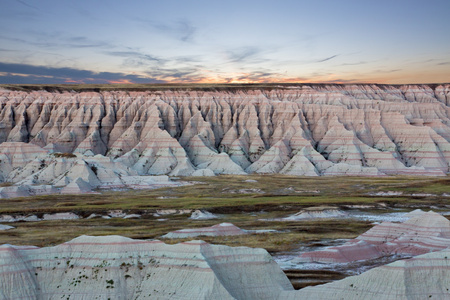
(308, 130)
(422, 233)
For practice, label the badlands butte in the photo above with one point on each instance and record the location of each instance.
(99, 138)
(125, 191)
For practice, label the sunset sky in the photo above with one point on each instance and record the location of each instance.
(150, 41)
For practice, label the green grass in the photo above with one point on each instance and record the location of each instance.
(283, 195)
(221, 193)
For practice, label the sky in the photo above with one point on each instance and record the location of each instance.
(189, 41)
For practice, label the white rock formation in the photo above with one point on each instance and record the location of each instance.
(216, 230)
(422, 277)
(122, 268)
(203, 172)
(305, 129)
(132, 216)
(202, 215)
(5, 227)
(78, 186)
(60, 216)
(65, 173)
(316, 213)
(423, 232)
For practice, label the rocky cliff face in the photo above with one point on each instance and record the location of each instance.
(301, 130)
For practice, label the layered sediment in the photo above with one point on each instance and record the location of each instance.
(122, 268)
(421, 233)
(307, 130)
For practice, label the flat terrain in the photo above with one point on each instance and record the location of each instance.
(232, 197)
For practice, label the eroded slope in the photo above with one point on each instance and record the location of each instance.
(302, 130)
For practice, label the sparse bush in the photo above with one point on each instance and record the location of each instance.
(65, 154)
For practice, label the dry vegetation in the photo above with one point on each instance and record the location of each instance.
(237, 201)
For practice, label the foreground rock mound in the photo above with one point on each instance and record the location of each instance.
(423, 232)
(308, 130)
(423, 277)
(122, 268)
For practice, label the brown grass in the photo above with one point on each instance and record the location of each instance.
(283, 196)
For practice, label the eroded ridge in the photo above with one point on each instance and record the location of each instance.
(303, 130)
(122, 268)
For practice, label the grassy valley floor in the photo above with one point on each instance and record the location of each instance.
(246, 201)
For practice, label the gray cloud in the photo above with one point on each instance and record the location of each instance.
(23, 73)
(184, 73)
(328, 58)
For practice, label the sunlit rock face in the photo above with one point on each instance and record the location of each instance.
(308, 130)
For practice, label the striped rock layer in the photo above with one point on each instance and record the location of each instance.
(422, 233)
(422, 277)
(115, 267)
(301, 130)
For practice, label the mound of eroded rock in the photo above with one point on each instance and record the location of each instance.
(221, 229)
(122, 268)
(423, 232)
(425, 276)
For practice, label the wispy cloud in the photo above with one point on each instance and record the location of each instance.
(386, 71)
(355, 63)
(137, 59)
(328, 58)
(26, 4)
(59, 41)
(243, 54)
(182, 30)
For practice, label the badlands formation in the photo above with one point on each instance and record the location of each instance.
(421, 233)
(425, 276)
(115, 267)
(77, 141)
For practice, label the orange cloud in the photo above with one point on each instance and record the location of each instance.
(121, 81)
(74, 81)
